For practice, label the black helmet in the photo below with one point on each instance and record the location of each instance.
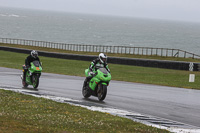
(34, 54)
(103, 58)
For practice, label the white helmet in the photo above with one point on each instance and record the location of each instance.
(34, 54)
(103, 58)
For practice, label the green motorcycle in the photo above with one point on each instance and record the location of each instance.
(32, 75)
(97, 86)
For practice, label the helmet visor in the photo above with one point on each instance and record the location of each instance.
(35, 55)
(103, 59)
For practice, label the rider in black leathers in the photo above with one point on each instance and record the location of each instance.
(32, 57)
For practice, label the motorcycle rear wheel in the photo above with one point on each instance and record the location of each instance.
(24, 84)
(86, 92)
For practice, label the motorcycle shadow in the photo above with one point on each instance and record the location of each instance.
(32, 89)
(93, 100)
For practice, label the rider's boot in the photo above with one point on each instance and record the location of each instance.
(24, 75)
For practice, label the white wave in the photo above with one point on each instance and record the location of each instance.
(11, 15)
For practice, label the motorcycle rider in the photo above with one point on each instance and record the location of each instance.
(32, 57)
(100, 61)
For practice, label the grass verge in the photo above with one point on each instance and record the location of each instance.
(23, 113)
(137, 74)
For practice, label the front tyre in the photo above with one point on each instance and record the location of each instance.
(35, 81)
(102, 91)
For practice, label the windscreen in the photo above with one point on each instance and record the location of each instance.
(103, 70)
(36, 63)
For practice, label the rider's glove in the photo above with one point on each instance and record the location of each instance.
(91, 73)
(27, 66)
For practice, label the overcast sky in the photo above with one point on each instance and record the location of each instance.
(186, 10)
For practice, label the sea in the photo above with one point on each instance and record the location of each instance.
(77, 28)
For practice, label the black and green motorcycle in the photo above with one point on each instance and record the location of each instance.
(97, 86)
(32, 75)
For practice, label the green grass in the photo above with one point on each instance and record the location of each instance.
(95, 53)
(166, 77)
(22, 113)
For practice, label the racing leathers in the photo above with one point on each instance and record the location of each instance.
(28, 61)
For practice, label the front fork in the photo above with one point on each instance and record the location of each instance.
(100, 86)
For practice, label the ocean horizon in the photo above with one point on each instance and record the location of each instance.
(88, 29)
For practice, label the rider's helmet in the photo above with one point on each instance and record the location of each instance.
(34, 54)
(103, 58)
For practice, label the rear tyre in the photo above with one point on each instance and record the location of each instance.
(102, 91)
(24, 83)
(35, 81)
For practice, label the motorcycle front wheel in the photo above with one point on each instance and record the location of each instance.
(35, 81)
(102, 91)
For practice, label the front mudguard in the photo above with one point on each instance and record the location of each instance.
(104, 83)
(29, 78)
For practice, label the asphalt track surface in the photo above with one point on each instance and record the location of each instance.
(176, 104)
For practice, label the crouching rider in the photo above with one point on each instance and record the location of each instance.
(32, 57)
(101, 61)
